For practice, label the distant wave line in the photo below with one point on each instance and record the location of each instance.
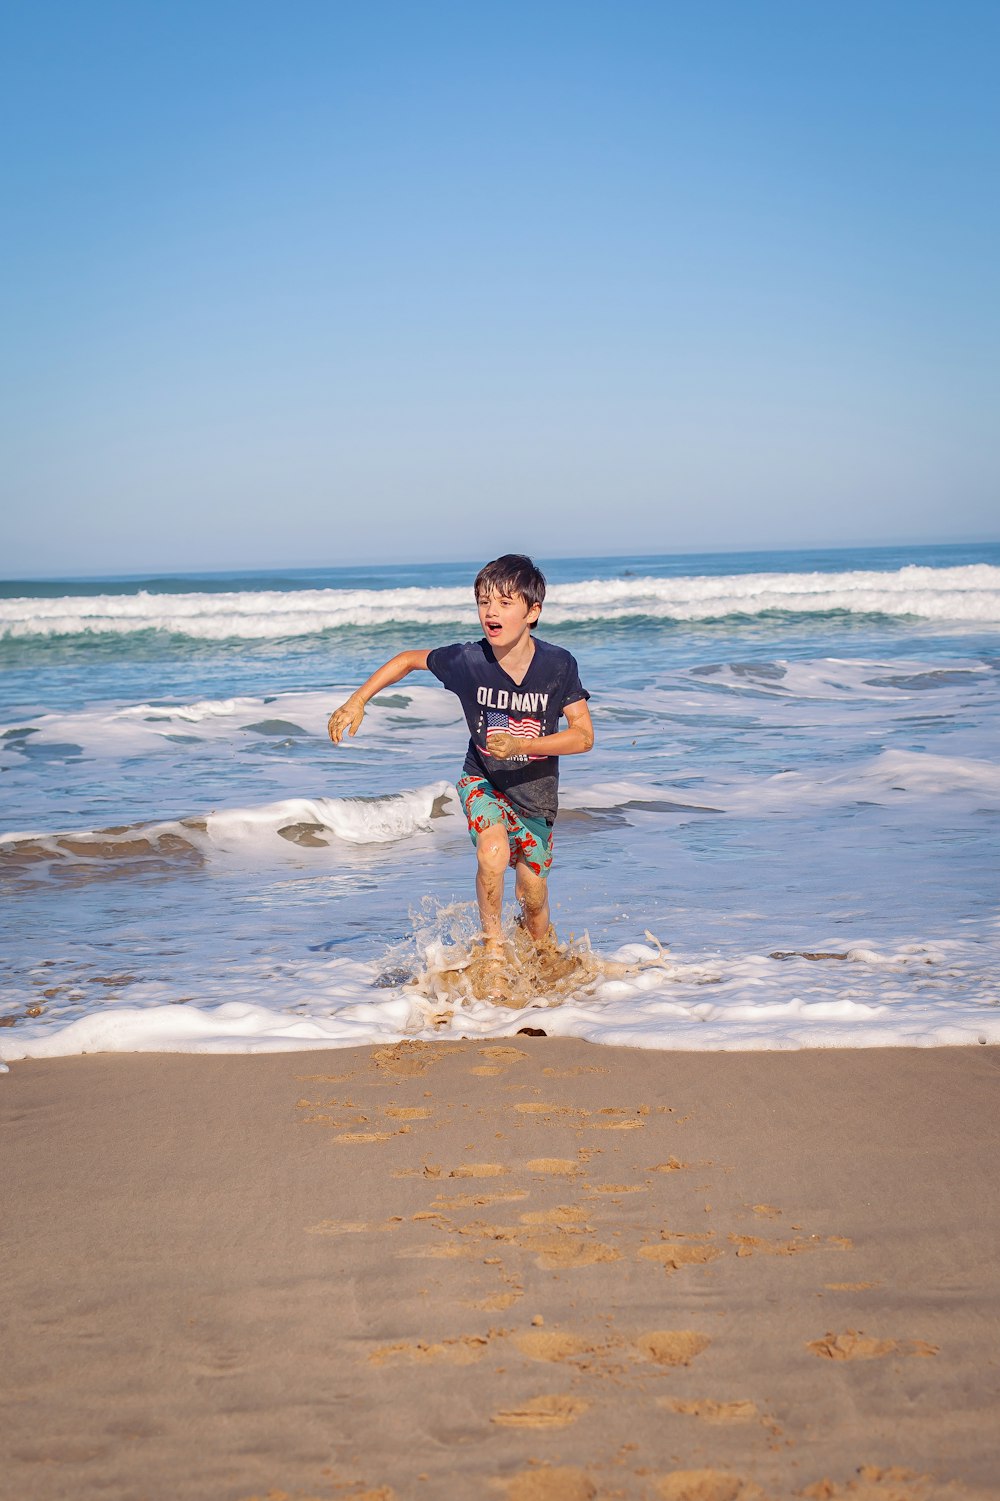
(969, 593)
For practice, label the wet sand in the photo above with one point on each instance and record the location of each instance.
(537, 1270)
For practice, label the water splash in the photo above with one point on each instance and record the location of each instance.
(445, 965)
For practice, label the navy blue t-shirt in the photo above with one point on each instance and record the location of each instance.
(493, 702)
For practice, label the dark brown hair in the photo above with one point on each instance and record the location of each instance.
(512, 574)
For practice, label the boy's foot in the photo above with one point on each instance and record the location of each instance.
(490, 972)
(547, 960)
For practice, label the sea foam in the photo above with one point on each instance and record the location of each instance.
(650, 999)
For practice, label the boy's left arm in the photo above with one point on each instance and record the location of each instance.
(573, 741)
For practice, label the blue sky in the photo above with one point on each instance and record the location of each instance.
(314, 283)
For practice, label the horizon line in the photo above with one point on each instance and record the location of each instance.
(681, 552)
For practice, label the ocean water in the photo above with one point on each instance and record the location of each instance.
(786, 835)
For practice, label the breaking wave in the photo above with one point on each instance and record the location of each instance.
(970, 593)
(268, 830)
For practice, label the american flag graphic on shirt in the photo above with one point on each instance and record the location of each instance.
(524, 727)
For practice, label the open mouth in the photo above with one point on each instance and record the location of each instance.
(492, 628)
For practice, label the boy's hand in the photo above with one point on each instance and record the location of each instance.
(501, 746)
(347, 717)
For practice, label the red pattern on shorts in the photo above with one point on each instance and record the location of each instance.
(523, 844)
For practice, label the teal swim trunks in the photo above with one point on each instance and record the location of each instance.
(530, 838)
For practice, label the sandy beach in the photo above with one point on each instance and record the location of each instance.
(535, 1269)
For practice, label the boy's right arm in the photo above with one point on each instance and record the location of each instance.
(350, 714)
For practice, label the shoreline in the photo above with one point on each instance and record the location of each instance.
(536, 1268)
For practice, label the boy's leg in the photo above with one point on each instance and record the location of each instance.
(496, 830)
(492, 860)
(532, 893)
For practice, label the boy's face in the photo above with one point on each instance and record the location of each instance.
(505, 618)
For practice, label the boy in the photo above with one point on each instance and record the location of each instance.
(513, 689)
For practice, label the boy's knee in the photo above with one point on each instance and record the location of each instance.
(493, 850)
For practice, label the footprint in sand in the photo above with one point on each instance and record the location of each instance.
(673, 1254)
(478, 1201)
(331, 1104)
(707, 1485)
(854, 1344)
(336, 1122)
(552, 1345)
(557, 1250)
(478, 1170)
(555, 1483)
(617, 1118)
(665, 1347)
(496, 1302)
(541, 1412)
(538, 1107)
(750, 1245)
(561, 1214)
(711, 1411)
(354, 1138)
(554, 1243)
(672, 1347)
(559, 1238)
(406, 1059)
(465, 1350)
(557, 1166)
(892, 1484)
(617, 1188)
